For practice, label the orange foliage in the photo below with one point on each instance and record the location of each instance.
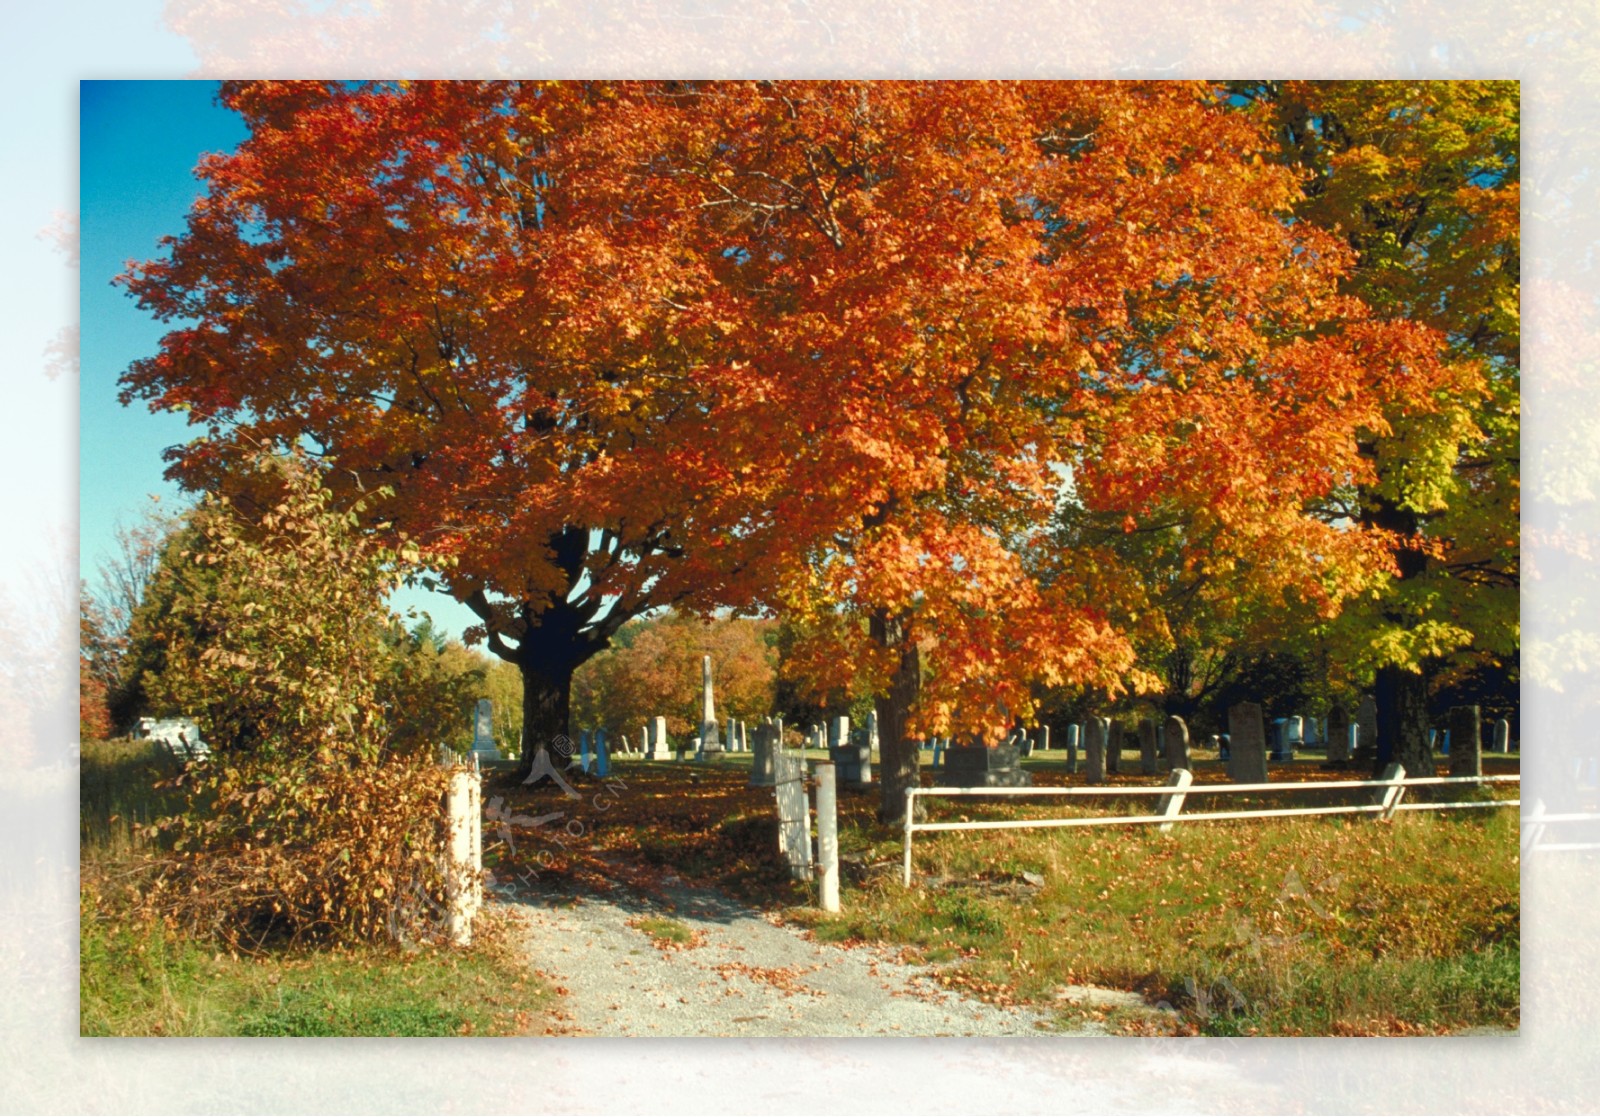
(836, 347)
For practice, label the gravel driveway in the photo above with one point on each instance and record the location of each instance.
(742, 975)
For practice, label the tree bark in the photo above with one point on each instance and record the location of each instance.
(1401, 695)
(546, 711)
(899, 758)
(1402, 700)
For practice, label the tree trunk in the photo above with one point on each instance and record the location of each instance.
(899, 758)
(1402, 700)
(546, 710)
(1401, 695)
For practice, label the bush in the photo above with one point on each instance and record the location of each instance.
(328, 849)
(318, 813)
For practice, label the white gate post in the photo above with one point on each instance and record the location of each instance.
(828, 835)
(463, 852)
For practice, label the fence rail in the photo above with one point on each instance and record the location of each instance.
(1178, 788)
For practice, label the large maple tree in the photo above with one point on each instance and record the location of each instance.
(959, 304)
(836, 348)
(419, 284)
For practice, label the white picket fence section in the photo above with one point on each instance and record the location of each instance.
(1174, 793)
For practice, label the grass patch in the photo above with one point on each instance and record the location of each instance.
(141, 978)
(1283, 927)
(117, 793)
(664, 930)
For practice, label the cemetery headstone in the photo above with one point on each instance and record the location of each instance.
(1280, 739)
(602, 755)
(1177, 743)
(1247, 752)
(1114, 747)
(1338, 735)
(1147, 746)
(180, 737)
(1466, 741)
(1043, 735)
(583, 750)
(709, 741)
(850, 754)
(1074, 735)
(762, 770)
(978, 765)
(1502, 736)
(1094, 750)
(483, 731)
(938, 751)
(659, 749)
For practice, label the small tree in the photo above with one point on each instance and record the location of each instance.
(271, 629)
(318, 812)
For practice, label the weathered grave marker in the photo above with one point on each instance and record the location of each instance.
(708, 712)
(1147, 746)
(1177, 743)
(769, 738)
(1094, 749)
(1247, 752)
(483, 731)
(179, 736)
(1502, 736)
(1171, 805)
(1338, 736)
(794, 815)
(1113, 747)
(978, 765)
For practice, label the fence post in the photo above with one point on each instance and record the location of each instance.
(1170, 806)
(461, 873)
(1394, 774)
(911, 804)
(828, 835)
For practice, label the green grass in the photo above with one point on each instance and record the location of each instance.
(139, 976)
(665, 930)
(117, 792)
(1285, 927)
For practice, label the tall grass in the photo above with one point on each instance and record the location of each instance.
(118, 792)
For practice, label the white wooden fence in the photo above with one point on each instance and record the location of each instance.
(1177, 789)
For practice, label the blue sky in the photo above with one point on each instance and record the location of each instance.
(139, 144)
